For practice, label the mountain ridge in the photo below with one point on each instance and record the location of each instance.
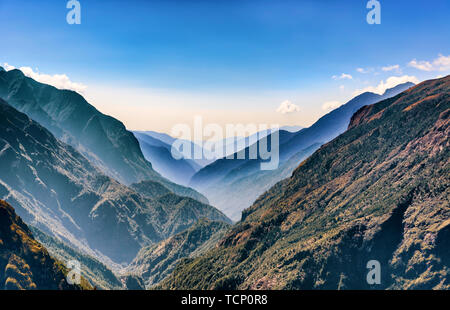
(216, 180)
(100, 138)
(379, 191)
(60, 192)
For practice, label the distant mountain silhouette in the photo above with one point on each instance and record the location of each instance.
(225, 178)
(379, 191)
(159, 154)
(100, 138)
(59, 191)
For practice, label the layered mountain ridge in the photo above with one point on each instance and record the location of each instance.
(56, 189)
(156, 262)
(102, 139)
(244, 181)
(379, 191)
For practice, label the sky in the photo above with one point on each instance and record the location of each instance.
(155, 64)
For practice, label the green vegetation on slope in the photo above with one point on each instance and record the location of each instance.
(156, 262)
(58, 190)
(24, 262)
(92, 270)
(380, 191)
(100, 138)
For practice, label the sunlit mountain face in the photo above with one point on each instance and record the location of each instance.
(184, 146)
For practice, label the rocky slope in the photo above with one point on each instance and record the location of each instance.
(243, 179)
(96, 273)
(380, 191)
(60, 192)
(70, 118)
(156, 262)
(24, 262)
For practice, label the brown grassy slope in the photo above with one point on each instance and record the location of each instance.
(379, 191)
(24, 262)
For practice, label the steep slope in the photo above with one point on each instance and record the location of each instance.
(336, 122)
(169, 140)
(57, 190)
(24, 262)
(156, 262)
(100, 138)
(150, 189)
(185, 211)
(244, 184)
(380, 191)
(223, 178)
(95, 272)
(159, 154)
(219, 169)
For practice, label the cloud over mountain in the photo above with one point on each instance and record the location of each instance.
(389, 83)
(61, 81)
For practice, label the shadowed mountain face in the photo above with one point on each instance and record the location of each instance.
(95, 272)
(156, 262)
(24, 262)
(379, 191)
(242, 179)
(159, 154)
(56, 189)
(169, 140)
(100, 138)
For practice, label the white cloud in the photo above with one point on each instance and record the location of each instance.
(341, 87)
(8, 67)
(442, 63)
(331, 105)
(287, 107)
(60, 81)
(366, 70)
(389, 83)
(342, 77)
(390, 68)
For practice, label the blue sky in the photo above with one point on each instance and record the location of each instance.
(155, 63)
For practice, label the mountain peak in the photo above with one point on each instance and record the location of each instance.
(377, 191)
(396, 89)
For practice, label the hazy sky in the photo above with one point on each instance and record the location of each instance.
(153, 64)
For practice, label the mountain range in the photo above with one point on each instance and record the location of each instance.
(102, 139)
(159, 153)
(368, 182)
(179, 168)
(242, 180)
(156, 262)
(55, 188)
(377, 192)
